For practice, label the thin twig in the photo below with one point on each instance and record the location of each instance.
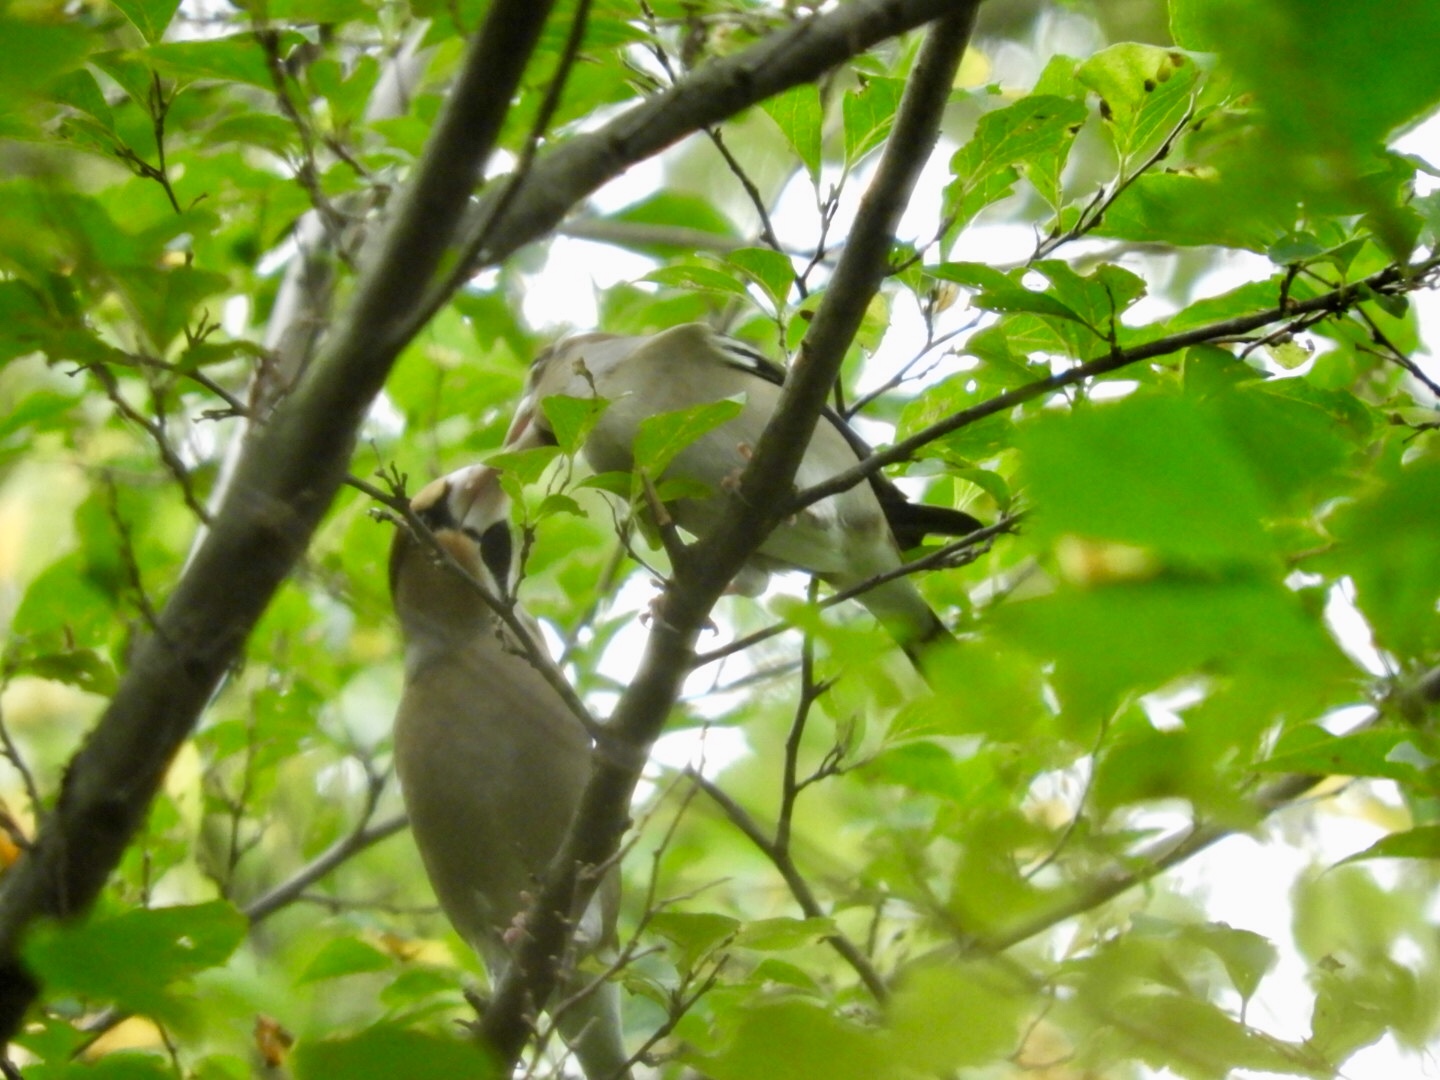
(1184, 843)
(127, 554)
(503, 608)
(1095, 211)
(947, 556)
(290, 890)
(156, 432)
(799, 887)
(27, 778)
(1390, 282)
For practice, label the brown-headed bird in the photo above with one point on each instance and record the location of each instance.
(491, 759)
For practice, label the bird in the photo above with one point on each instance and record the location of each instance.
(844, 539)
(490, 757)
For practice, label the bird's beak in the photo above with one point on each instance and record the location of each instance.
(521, 434)
(475, 497)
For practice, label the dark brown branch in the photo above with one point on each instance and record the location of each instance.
(1390, 281)
(623, 747)
(349, 845)
(714, 92)
(285, 481)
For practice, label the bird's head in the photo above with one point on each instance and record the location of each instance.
(562, 368)
(467, 512)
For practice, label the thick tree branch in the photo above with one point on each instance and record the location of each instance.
(714, 92)
(285, 481)
(701, 576)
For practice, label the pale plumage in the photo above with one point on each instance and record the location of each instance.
(845, 539)
(491, 759)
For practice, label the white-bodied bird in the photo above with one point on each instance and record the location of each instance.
(845, 539)
(491, 759)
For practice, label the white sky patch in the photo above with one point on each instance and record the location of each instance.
(1350, 629)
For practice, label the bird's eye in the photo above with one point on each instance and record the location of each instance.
(496, 551)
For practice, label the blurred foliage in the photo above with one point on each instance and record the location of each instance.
(1225, 546)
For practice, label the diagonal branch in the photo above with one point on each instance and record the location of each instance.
(799, 888)
(285, 481)
(1174, 849)
(714, 92)
(291, 468)
(622, 749)
(1393, 280)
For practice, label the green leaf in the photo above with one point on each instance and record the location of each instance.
(150, 17)
(696, 933)
(1129, 638)
(558, 503)
(1389, 543)
(1419, 843)
(315, 11)
(40, 411)
(1147, 765)
(1151, 471)
(79, 90)
(1098, 299)
(523, 467)
(166, 300)
(794, 1040)
(133, 959)
(1321, 140)
(769, 269)
(869, 114)
(1197, 1039)
(119, 1065)
(84, 669)
(1314, 751)
(35, 53)
(956, 394)
(1144, 92)
(1291, 437)
(676, 209)
(344, 956)
(386, 1050)
(1036, 132)
(781, 935)
(1355, 1009)
(660, 437)
(999, 292)
(64, 599)
(1292, 49)
(1247, 956)
(798, 115)
(230, 59)
(704, 278)
(947, 1018)
(1240, 208)
(572, 419)
(127, 69)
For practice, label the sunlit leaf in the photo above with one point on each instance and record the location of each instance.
(663, 436)
(797, 113)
